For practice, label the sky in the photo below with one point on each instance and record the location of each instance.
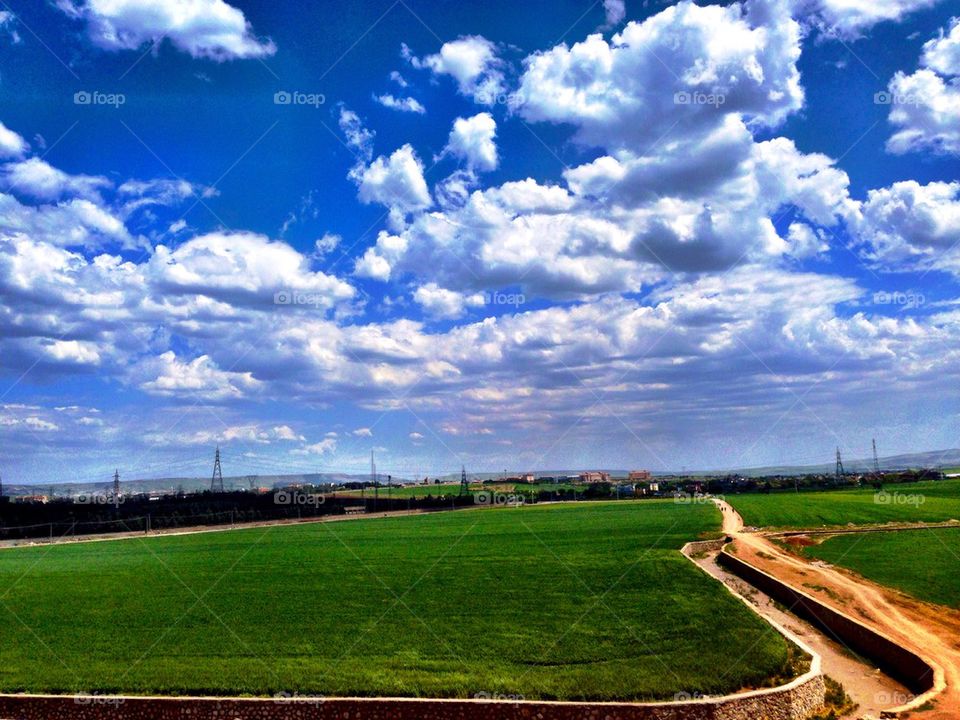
(498, 235)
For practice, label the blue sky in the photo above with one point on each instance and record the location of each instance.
(553, 235)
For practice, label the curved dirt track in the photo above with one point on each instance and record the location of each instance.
(932, 632)
(873, 691)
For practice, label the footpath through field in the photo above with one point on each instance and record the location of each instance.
(930, 631)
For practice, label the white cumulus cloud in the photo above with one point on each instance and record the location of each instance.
(403, 104)
(200, 378)
(396, 181)
(851, 18)
(925, 105)
(673, 74)
(909, 226)
(11, 144)
(209, 29)
(439, 302)
(472, 61)
(473, 140)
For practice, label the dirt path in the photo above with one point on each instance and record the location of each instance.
(872, 690)
(930, 631)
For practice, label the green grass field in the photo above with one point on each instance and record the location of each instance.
(419, 491)
(411, 491)
(929, 574)
(913, 502)
(590, 601)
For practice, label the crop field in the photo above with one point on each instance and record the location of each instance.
(411, 491)
(420, 491)
(585, 601)
(930, 574)
(908, 502)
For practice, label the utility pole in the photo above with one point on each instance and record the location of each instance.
(216, 482)
(876, 461)
(116, 489)
(464, 486)
(839, 470)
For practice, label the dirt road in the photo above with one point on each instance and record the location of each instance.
(930, 631)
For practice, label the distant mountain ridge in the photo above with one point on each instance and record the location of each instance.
(931, 459)
(189, 484)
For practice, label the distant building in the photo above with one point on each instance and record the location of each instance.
(528, 478)
(639, 476)
(594, 476)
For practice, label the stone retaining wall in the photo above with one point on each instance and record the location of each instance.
(895, 660)
(790, 702)
(704, 546)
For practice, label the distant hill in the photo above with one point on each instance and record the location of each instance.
(931, 459)
(188, 484)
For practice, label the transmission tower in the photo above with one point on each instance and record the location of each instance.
(116, 489)
(464, 487)
(840, 472)
(216, 483)
(876, 461)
